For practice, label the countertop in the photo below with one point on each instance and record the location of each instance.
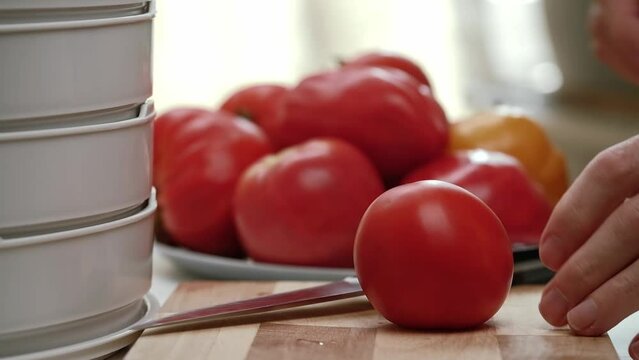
(166, 277)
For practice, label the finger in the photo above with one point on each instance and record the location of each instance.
(618, 30)
(599, 259)
(622, 55)
(615, 28)
(603, 185)
(622, 21)
(608, 305)
(605, 53)
(611, 249)
(626, 65)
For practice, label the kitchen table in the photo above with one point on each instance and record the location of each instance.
(166, 278)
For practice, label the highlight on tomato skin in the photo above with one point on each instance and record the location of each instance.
(390, 60)
(302, 205)
(501, 182)
(259, 103)
(508, 130)
(431, 255)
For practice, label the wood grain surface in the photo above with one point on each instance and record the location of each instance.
(351, 329)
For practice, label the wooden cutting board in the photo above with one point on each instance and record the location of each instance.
(351, 329)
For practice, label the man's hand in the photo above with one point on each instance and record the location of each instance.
(592, 241)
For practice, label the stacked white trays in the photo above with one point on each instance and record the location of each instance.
(76, 203)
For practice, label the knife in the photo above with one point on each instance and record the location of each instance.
(346, 288)
(528, 270)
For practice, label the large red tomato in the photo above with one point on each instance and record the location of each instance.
(432, 255)
(200, 177)
(260, 104)
(385, 112)
(302, 206)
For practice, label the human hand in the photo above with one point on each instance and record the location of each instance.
(614, 25)
(592, 241)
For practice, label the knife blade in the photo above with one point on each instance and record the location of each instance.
(346, 288)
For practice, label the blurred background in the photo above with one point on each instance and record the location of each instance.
(478, 53)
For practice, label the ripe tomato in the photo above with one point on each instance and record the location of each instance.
(386, 113)
(501, 182)
(509, 131)
(196, 197)
(302, 205)
(391, 60)
(430, 254)
(165, 128)
(260, 104)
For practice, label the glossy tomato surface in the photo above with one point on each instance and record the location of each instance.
(391, 60)
(501, 182)
(302, 206)
(431, 255)
(259, 103)
(166, 129)
(509, 131)
(201, 174)
(386, 113)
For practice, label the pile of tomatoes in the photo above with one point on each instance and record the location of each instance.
(356, 166)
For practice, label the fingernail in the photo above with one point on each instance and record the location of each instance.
(634, 350)
(553, 307)
(583, 315)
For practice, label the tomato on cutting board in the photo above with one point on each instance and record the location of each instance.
(431, 255)
(302, 206)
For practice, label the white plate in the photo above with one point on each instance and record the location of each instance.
(98, 347)
(528, 268)
(218, 267)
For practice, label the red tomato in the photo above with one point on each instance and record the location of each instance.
(260, 104)
(165, 127)
(302, 205)
(386, 113)
(196, 197)
(501, 182)
(432, 255)
(391, 60)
